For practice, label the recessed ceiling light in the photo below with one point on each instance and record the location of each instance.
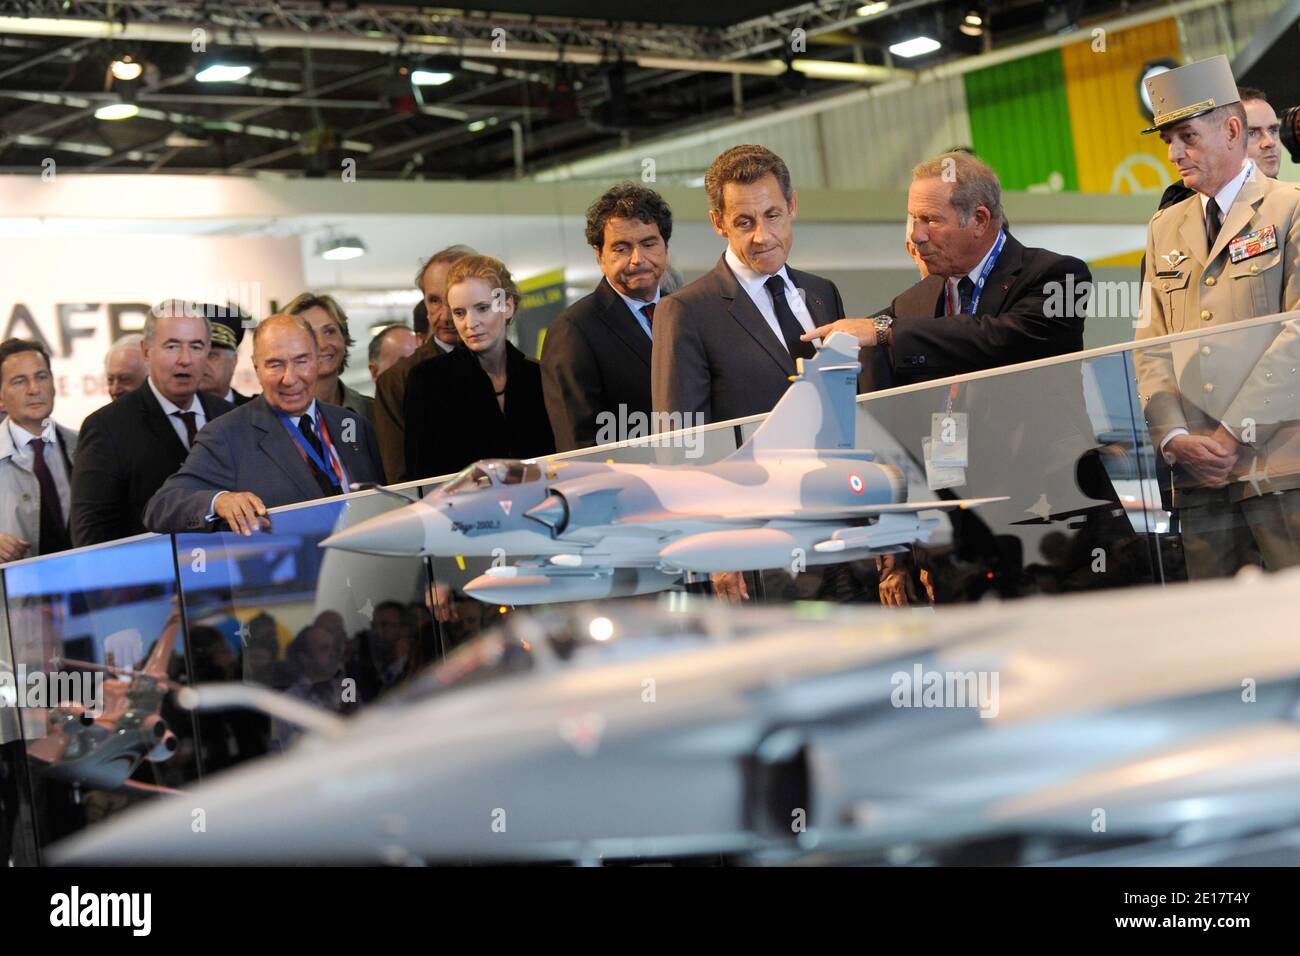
(117, 111)
(477, 126)
(917, 46)
(126, 69)
(871, 9)
(430, 77)
(223, 73)
(341, 248)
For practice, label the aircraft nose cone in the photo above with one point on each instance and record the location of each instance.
(407, 531)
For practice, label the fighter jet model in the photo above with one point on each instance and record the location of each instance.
(101, 748)
(797, 493)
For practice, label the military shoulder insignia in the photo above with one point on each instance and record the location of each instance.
(1253, 244)
(1157, 215)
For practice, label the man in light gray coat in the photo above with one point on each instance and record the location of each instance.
(35, 456)
(279, 448)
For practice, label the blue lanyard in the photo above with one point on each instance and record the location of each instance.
(305, 446)
(989, 263)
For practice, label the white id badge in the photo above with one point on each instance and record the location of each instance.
(938, 477)
(948, 437)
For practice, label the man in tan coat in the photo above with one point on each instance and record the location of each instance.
(1223, 408)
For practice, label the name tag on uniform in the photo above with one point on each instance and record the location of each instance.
(1253, 244)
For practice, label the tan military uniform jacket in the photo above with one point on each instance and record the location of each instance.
(1249, 380)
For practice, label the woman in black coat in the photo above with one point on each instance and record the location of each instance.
(483, 399)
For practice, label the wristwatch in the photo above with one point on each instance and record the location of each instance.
(883, 322)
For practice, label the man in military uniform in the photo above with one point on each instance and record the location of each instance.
(1223, 409)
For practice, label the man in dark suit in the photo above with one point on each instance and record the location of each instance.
(987, 300)
(596, 358)
(280, 448)
(128, 448)
(725, 345)
(390, 387)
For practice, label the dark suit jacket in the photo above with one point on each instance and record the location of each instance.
(390, 399)
(125, 451)
(1013, 324)
(453, 419)
(251, 450)
(715, 354)
(596, 358)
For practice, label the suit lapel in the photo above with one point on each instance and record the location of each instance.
(280, 449)
(819, 310)
(744, 311)
(614, 312)
(353, 460)
(155, 419)
(1242, 211)
(998, 284)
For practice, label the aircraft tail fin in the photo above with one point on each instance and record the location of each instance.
(817, 411)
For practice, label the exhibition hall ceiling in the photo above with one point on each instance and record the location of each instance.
(404, 91)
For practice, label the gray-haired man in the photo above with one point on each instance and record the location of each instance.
(128, 448)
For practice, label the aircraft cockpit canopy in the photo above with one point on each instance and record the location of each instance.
(492, 472)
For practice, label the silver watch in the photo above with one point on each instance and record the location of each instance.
(883, 322)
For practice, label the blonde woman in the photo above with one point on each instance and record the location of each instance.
(483, 399)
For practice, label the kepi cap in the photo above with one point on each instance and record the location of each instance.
(1190, 91)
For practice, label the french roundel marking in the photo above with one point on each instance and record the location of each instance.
(855, 482)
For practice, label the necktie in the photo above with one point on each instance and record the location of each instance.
(648, 310)
(965, 294)
(1213, 221)
(327, 487)
(54, 530)
(790, 327)
(190, 429)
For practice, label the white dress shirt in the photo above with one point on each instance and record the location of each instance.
(170, 409)
(25, 456)
(752, 283)
(636, 305)
(973, 275)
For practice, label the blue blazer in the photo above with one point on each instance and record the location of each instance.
(249, 449)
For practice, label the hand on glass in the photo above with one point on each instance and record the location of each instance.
(243, 511)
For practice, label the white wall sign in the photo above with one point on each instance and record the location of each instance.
(78, 294)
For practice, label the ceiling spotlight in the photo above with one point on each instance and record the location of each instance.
(916, 46)
(117, 111)
(223, 73)
(477, 126)
(972, 24)
(430, 77)
(872, 9)
(341, 248)
(126, 69)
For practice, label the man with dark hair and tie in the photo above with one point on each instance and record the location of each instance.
(725, 345)
(128, 448)
(282, 447)
(596, 358)
(35, 456)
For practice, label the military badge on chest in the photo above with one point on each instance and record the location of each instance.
(1253, 244)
